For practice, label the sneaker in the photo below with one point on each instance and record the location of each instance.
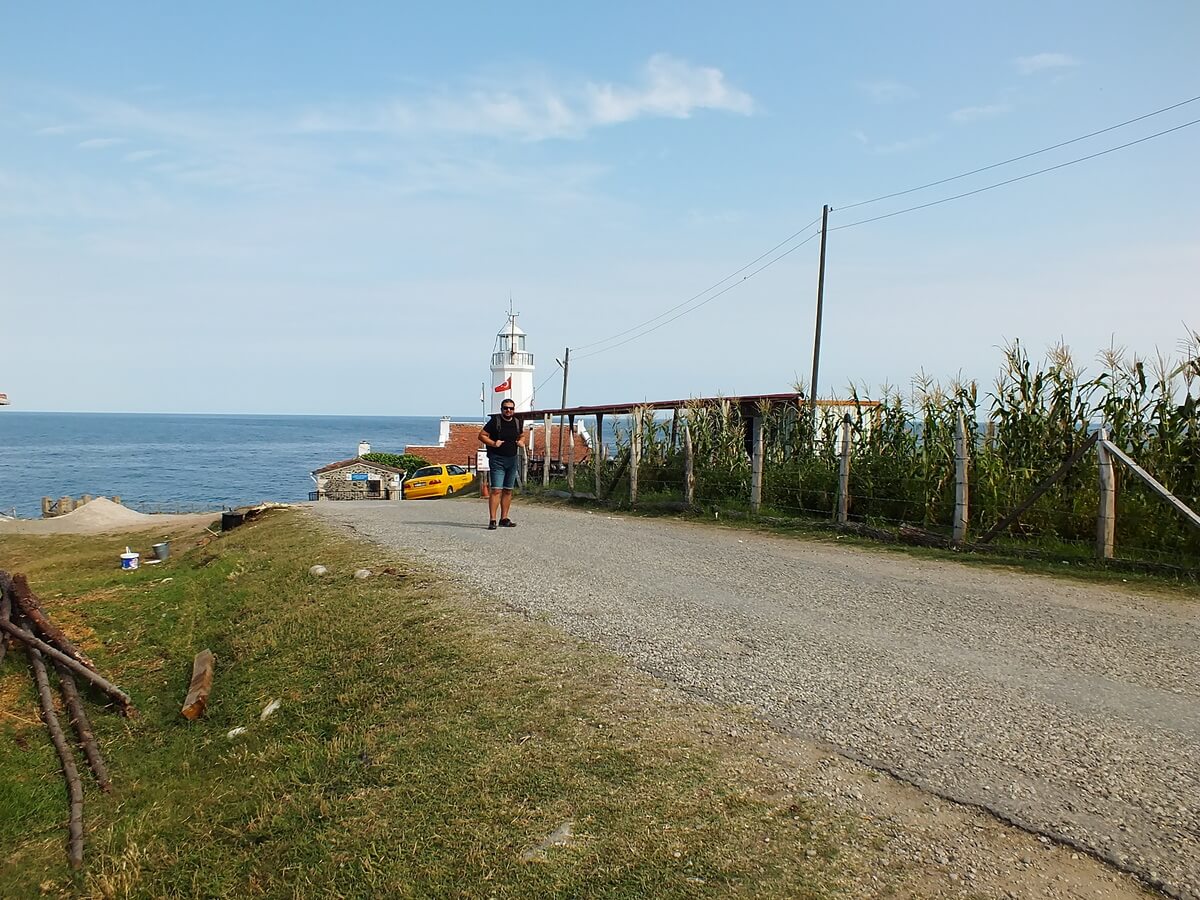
(507, 523)
(492, 525)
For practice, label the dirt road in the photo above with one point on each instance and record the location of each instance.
(1070, 709)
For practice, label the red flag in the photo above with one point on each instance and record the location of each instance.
(506, 386)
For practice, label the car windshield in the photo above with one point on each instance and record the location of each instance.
(427, 471)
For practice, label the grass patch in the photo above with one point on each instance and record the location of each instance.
(425, 747)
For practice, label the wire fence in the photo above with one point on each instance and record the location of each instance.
(913, 470)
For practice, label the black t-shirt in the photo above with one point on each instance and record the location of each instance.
(500, 430)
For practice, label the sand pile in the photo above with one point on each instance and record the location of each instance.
(103, 513)
(98, 516)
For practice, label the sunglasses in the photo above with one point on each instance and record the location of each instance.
(508, 409)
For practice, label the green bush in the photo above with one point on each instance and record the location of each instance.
(409, 462)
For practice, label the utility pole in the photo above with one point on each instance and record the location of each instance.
(566, 367)
(812, 386)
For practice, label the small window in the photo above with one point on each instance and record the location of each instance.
(456, 470)
(426, 472)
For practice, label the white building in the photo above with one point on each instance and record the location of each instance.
(512, 366)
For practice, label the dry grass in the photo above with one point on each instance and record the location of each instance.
(424, 747)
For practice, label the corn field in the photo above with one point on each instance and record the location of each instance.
(1034, 416)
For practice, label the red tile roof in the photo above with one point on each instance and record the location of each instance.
(464, 442)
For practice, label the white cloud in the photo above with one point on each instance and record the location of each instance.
(887, 90)
(975, 113)
(1027, 65)
(532, 111)
(99, 143)
(139, 155)
(671, 88)
(861, 137)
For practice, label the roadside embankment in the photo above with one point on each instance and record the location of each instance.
(424, 744)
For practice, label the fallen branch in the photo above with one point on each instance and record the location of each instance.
(910, 534)
(27, 603)
(33, 642)
(65, 758)
(83, 727)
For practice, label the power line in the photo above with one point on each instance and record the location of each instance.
(989, 187)
(1014, 159)
(790, 237)
(745, 278)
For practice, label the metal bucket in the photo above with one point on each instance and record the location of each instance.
(162, 551)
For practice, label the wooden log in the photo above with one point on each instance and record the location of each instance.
(961, 459)
(843, 494)
(622, 462)
(202, 678)
(87, 739)
(689, 465)
(27, 602)
(65, 758)
(598, 451)
(756, 464)
(5, 609)
(571, 453)
(910, 534)
(1157, 486)
(1106, 518)
(33, 641)
(1056, 476)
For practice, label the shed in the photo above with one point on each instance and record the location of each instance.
(357, 479)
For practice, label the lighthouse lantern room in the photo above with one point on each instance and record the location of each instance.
(512, 365)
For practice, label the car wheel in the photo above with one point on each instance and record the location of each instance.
(449, 489)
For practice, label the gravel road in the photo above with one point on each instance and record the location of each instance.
(1072, 710)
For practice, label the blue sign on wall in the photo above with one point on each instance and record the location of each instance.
(360, 476)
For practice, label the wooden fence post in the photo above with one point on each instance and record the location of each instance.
(571, 453)
(756, 464)
(546, 455)
(635, 455)
(598, 450)
(674, 428)
(1106, 521)
(843, 494)
(689, 465)
(962, 457)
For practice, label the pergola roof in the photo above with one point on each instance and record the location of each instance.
(745, 401)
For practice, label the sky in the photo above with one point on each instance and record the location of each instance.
(292, 208)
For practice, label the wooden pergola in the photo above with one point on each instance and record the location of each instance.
(751, 407)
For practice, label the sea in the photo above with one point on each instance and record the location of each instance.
(183, 463)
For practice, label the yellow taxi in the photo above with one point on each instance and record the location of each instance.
(436, 481)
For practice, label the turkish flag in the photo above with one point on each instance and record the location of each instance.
(506, 386)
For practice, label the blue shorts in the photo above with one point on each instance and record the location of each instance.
(503, 474)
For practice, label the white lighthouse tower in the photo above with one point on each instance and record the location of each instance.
(512, 364)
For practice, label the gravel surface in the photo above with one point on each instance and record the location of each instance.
(1069, 709)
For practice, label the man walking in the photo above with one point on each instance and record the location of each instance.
(502, 435)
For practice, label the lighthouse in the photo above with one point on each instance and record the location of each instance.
(512, 366)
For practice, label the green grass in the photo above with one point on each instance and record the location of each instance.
(424, 745)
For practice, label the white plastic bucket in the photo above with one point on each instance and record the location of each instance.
(129, 559)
